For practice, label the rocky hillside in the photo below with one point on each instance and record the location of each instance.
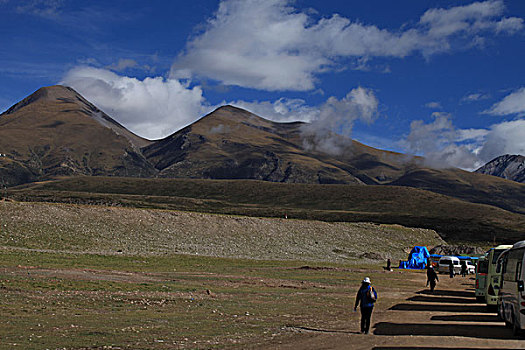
(511, 167)
(103, 230)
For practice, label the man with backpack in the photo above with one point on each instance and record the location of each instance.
(366, 296)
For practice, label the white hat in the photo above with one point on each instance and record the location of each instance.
(366, 280)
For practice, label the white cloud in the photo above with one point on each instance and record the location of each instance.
(504, 138)
(443, 145)
(152, 108)
(438, 143)
(271, 45)
(511, 104)
(477, 135)
(337, 117)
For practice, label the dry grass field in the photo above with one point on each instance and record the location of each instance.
(454, 219)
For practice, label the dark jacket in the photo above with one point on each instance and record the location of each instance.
(431, 275)
(362, 296)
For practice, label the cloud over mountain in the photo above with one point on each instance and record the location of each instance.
(271, 45)
(153, 107)
(444, 145)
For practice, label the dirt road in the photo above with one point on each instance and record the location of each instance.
(448, 319)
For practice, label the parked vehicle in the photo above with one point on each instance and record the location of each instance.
(493, 277)
(471, 268)
(511, 306)
(481, 278)
(444, 263)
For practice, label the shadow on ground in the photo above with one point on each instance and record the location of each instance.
(441, 299)
(441, 308)
(456, 330)
(319, 330)
(450, 293)
(466, 318)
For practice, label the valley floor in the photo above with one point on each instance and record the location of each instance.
(97, 277)
(88, 301)
(449, 318)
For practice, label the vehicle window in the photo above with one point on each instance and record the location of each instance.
(498, 267)
(483, 266)
(496, 254)
(518, 271)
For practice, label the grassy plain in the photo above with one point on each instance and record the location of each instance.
(79, 277)
(78, 301)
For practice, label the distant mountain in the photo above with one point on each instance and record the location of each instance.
(231, 143)
(511, 167)
(56, 132)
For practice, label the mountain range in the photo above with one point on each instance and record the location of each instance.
(57, 132)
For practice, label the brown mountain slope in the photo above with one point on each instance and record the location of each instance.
(471, 187)
(231, 143)
(55, 131)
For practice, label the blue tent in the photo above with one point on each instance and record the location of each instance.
(417, 259)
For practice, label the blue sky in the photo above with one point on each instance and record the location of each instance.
(444, 79)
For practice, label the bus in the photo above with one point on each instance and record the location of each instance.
(481, 278)
(493, 278)
(511, 306)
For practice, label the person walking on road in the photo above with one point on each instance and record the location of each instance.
(451, 269)
(366, 297)
(463, 268)
(432, 277)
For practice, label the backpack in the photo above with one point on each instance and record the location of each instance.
(371, 294)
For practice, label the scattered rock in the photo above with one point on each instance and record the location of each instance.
(456, 250)
(372, 256)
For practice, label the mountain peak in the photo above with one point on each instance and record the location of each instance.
(231, 115)
(508, 166)
(232, 111)
(48, 93)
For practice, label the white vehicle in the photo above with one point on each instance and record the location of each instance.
(492, 284)
(511, 306)
(471, 268)
(444, 263)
